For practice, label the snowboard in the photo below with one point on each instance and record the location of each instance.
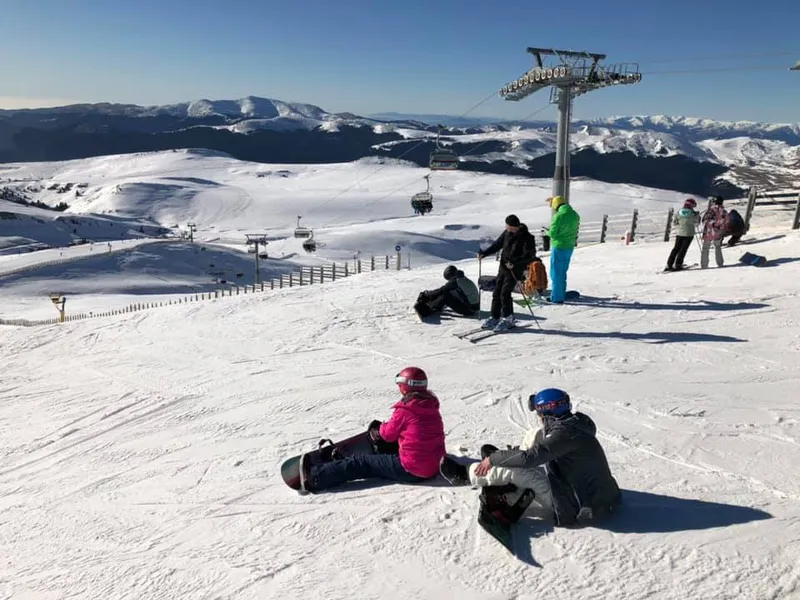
(498, 520)
(748, 258)
(328, 451)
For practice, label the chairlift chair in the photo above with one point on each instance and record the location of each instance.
(302, 232)
(310, 245)
(422, 202)
(442, 159)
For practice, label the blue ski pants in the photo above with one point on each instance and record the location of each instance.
(382, 466)
(559, 264)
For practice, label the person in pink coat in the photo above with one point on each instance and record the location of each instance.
(713, 231)
(415, 427)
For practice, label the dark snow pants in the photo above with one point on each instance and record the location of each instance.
(502, 305)
(427, 304)
(382, 466)
(679, 250)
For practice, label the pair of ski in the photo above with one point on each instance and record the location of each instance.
(479, 333)
(684, 268)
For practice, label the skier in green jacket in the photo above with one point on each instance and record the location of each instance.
(563, 235)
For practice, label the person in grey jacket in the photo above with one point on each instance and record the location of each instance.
(562, 462)
(686, 220)
(460, 294)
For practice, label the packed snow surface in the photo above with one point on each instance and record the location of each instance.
(141, 453)
(355, 210)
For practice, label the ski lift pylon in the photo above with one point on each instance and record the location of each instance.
(302, 232)
(442, 159)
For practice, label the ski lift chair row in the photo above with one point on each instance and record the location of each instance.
(302, 232)
(422, 202)
(443, 159)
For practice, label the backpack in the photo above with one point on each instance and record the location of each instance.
(536, 279)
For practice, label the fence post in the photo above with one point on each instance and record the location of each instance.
(346, 269)
(372, 263)
(604, 230)
(752, 196)
(796, 221)
(358, 265)
(387, 261)
(667, 231)
(333, 272)
(398, 262)
(262, 286)
(634, 222)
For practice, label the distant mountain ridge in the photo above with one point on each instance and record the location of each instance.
(725, 155)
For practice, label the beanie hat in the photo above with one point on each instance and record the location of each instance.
(557, 201)
(450, 272)
(718, 200)
(690, 203)
(512, 220)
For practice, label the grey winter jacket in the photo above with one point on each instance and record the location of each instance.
(687, 221)
(582, 484)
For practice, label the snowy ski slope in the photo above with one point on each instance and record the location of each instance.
(355, 209)
(140, 453)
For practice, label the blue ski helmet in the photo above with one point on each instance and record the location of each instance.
(550, 402)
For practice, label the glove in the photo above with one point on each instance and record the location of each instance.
(374, 430)
(480, 255)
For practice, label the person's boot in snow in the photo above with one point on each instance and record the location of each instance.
(455, 473)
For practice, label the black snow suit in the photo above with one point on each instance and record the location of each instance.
(459, 294)
(518, 250)
(581, 481)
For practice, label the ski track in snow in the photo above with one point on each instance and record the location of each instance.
(140, 453)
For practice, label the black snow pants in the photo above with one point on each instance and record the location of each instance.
(428, 304)
(502, 305)
(679, 250)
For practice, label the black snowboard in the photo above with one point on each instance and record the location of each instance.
(498, 518)
(329, 451)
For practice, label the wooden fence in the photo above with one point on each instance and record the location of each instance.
(633, 226)
(306, 276)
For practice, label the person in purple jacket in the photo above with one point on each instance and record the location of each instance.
(415, 425)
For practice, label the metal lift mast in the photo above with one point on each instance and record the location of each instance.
(570, 75)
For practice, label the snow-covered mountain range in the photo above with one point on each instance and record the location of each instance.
(740, 153)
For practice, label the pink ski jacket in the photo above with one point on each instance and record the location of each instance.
(417, 426)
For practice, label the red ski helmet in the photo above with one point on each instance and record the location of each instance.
(690, 203)
(411, 379)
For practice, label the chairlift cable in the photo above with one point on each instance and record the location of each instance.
(381, 167)
(528, 116)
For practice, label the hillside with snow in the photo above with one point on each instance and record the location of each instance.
(355, 210)
(141, 451)
(719, 154)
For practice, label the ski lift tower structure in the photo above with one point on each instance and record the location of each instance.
(257, 239)
(568, 74)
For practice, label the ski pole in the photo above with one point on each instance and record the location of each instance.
(480, 291)
(527, 300)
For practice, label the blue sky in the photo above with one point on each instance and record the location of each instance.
(414, 56)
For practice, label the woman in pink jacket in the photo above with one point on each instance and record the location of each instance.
(415, 426)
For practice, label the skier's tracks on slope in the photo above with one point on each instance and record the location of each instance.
(706, 468)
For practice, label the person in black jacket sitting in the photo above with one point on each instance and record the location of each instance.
(562, 463)
(459, 294)
(518, 249)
